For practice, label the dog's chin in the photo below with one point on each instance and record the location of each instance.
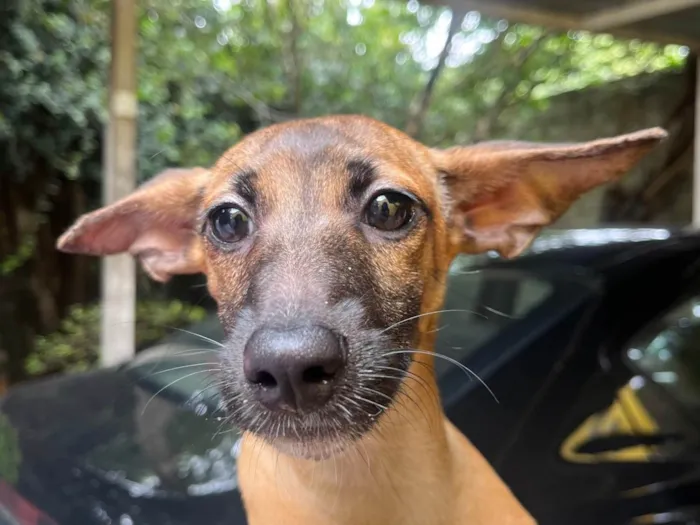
(313, 450)
(314, 436)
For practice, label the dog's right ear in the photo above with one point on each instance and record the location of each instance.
(156, 223)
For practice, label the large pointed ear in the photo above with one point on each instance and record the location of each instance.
(503, 193)
(156, 223)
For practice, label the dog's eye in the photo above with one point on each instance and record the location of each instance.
(390, 211)
(229, 224)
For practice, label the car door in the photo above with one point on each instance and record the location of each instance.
(562, 435)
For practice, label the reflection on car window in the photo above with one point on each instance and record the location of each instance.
(175, 439)
(665, 357)
(479, 303)
(171, 452)
(670, 354)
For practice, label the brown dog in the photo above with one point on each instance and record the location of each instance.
(326, 244)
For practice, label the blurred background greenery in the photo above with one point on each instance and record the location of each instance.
(210, 72)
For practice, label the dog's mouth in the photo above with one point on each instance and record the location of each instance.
(355, 406)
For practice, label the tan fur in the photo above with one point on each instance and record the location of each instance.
(414, 467)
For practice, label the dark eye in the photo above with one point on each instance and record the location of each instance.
(390, 211)
(229, 224)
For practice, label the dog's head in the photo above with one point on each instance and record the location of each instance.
(324, 240)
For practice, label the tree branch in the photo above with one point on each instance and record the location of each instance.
(293, 60)
(420, 109)
(507, 98)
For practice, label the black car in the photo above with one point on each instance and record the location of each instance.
(590, 343)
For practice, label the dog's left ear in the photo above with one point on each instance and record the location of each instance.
(503, 193)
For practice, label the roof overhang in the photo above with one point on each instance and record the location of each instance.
(664, 21)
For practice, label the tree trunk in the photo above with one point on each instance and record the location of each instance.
(37, 293)
(419, 110)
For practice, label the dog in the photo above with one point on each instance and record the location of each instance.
(326, 244)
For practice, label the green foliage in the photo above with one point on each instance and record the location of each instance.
(74, 346)
(53, 59)
(508, 73)
(10, 454)
(212, 70)
(24, 252)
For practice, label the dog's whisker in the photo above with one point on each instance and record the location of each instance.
(498, 312)
(470, 373)
(168, 386)
(430, 389)
(425, 314)
(439, 328)
(398, 393)
(350, 400)
(202, 337)
(198, 351)
(375, 392)
(382, 408)
(347, 413)
(165, 371)
(399, 401)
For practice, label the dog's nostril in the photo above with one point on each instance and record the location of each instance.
(294, 369)
(265, 379)
(316, 374)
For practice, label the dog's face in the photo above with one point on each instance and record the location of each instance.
(324, 241)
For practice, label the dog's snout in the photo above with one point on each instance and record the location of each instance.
(294, 369)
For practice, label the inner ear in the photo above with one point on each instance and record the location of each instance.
(156, 223)
(503, 193)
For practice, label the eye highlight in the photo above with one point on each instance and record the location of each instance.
(229, 224)
(390, 211)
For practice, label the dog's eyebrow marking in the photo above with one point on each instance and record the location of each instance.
(362, 174)
(244, 185)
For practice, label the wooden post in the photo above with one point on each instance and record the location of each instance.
(117, 342)
(696, 152)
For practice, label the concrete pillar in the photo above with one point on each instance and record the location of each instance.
(119, 272)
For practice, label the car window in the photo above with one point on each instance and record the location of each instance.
(668, 354)
(172, 438)
(165, 450)
(652, 414)
(480, 302)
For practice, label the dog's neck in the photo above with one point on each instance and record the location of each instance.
(403, 466)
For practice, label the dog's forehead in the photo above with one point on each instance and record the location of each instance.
(321, 148)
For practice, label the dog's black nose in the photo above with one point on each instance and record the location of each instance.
(294, 369)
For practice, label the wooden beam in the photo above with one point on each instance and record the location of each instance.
(514, 13)
(563, 22)
(117, 343)
(634, 12)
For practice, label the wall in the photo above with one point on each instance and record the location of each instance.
(619, 107)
